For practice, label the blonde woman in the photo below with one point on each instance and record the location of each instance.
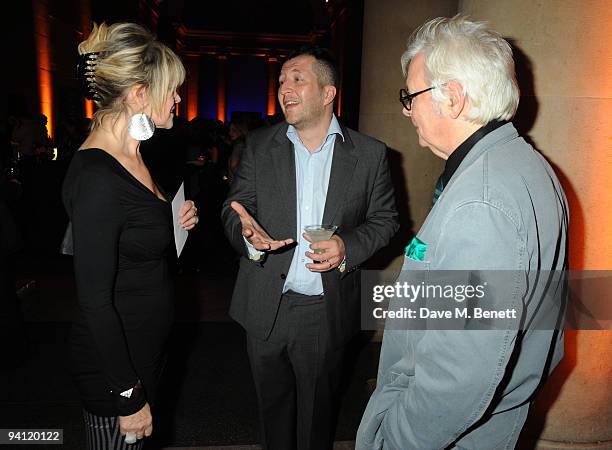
(122, 231)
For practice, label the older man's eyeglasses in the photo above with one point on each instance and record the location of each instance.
(406, 99)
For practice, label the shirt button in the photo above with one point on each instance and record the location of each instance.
(307, 208)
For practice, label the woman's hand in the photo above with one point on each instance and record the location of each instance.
(188, 215)
(139, 424)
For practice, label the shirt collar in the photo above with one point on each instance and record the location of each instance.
(334, 128)
(454, 160)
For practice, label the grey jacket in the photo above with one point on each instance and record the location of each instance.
(503, 209)
(360, 201)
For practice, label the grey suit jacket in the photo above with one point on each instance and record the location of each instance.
(503, 210)
(360, 201)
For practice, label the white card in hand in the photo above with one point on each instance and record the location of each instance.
(180, 234)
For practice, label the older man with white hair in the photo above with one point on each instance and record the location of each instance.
(498, 209)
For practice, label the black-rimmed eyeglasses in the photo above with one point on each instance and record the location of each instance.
(406, 99)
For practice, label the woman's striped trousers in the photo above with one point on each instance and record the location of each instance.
(102, 433)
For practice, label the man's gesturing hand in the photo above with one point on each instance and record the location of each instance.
(256, 235)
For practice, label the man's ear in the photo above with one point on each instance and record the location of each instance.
(457, 101)
(329, 94)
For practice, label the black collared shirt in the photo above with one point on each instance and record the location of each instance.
(455, 158)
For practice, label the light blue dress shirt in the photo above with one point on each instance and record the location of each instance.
(312, 171)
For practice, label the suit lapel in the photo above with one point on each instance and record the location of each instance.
(343, 165)
(283, 159)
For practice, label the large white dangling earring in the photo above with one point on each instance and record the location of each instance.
(141, 127)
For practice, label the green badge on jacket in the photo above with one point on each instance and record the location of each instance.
(416, 249)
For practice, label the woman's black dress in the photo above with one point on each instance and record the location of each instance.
(121, 233)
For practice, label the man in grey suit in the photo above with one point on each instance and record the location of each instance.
(499, 211)
(299, 308)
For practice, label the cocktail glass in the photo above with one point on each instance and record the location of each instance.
(318, 233)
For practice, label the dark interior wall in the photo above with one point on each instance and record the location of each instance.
(207, 88)
(346, 43)
(116, 11)
(66, 31)
(247, 85)
(65, 26)
(19, 95)
(69, 21)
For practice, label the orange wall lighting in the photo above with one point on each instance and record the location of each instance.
(221, 86)
(191, 86)
(89, 109)
(43, 60)
(84, 10)
(271, 110)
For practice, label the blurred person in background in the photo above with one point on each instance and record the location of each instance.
(13, 345)
(238, 130)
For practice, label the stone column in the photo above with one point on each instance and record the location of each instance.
(84, 12)
(272, 85)
(221, 87)
(387, 24)
(44, 61)
(189, 108)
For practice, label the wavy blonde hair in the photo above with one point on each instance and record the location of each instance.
(129, 56)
